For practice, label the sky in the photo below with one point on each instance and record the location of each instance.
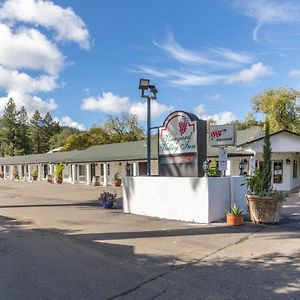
(82, 60)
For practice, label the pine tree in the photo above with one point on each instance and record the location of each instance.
(36, 132)
(9, 129)
(24, 145)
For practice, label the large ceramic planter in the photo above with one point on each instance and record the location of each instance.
(264, 209)
(234, 220)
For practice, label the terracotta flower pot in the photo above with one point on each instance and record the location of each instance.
(234, 220)
(116, 182)
(59, 180)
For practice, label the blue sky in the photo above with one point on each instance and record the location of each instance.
(82, 60)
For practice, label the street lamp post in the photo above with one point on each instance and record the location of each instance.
(146, 86)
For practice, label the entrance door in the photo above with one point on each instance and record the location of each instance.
(142, 168)
(45, 171)
(93, 170)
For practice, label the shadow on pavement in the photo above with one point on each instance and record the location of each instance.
(41, 264)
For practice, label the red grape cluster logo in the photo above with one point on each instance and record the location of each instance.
(182, 127)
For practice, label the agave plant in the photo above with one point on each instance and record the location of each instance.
(235, 210)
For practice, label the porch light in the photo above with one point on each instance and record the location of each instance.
(205, 167)
(288, 161)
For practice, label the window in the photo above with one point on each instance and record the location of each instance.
(278, 171)
(81, 170)
(295, 169)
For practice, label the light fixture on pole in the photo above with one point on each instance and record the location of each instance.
(146, 86)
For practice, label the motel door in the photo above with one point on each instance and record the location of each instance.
(142, 168)
(93, 170)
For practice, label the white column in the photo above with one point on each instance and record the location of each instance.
(11, 176)
(105, 173)
(135, 169)
(20, 171)
(88, 174)
(51, 170)
(39, 172)
(29, 173)
(73, 173)
(252, 162)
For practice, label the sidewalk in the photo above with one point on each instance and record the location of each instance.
(154, 258)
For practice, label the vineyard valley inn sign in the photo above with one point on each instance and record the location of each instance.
(222, 135)
(182, 145)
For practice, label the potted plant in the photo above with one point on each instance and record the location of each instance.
(34, 174)
(234, 216)
(264, 203)
(117, 180)
(107, 199)
(59, 172)
(1, 175)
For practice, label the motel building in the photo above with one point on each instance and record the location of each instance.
(129, 159)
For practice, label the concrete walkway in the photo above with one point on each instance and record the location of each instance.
(64, 246)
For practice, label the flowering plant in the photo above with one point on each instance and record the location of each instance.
(107, 199)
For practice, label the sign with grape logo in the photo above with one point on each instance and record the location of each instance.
(222, 135)
(179, 135)
(182, 145)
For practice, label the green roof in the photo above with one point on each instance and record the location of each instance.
(120, 152)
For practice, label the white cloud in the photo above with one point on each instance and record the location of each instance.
(151, 72)
(31, 103)
(216, 96)
(140, 110)
(11, 80)
(113, 104)
(184, 55)
(232, 55)
(67, 121)
(250, 75)
(191, 79)
(29, 49)
(107, 103)
(224, 117)
(294, 73)
(67, 25)
(269, 12)
(217, 57)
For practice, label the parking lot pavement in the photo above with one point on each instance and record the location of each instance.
(64, 227)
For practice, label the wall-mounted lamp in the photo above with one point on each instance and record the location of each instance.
(288, 161)
(205, 167)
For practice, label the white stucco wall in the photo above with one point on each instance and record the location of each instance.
(192, 199)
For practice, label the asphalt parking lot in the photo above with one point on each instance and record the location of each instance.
(57, 243)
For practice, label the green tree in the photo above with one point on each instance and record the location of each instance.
(59, 139)
(36, 133)
(9, 129)
(248, 122)
(124, 128)
(24, 143)
(77, 142)
(280, 107)
(49, 129)
(115, 130)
